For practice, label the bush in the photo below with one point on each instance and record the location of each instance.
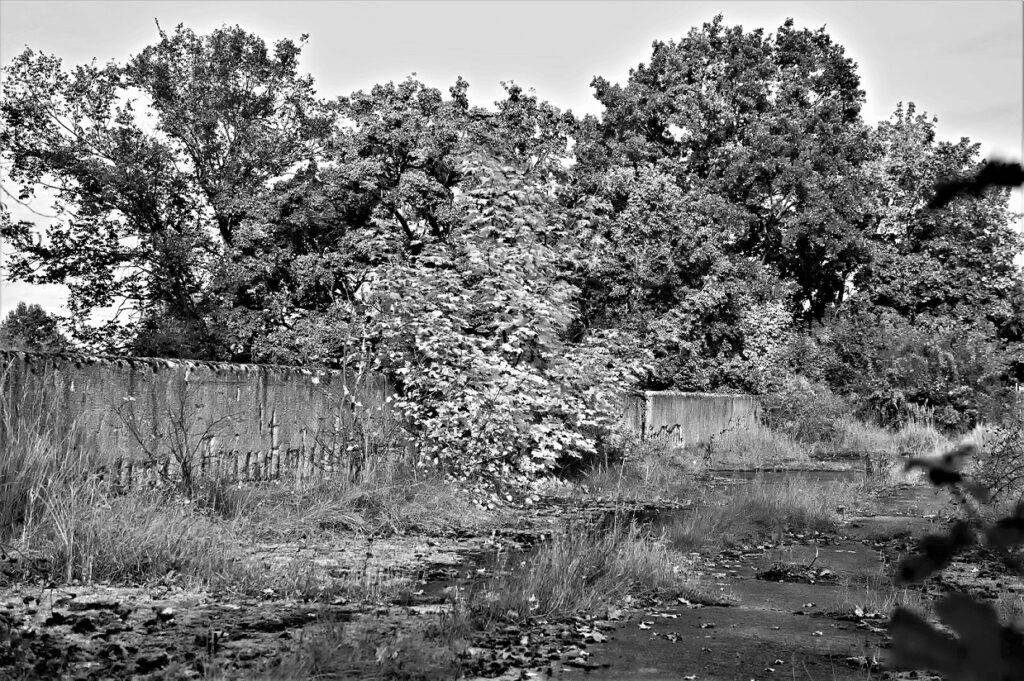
(806, 411)
(895, 367)
(1002, 468)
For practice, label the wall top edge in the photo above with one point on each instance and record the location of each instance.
(161, 363)
(684, 393)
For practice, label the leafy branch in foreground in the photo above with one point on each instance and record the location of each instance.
(983, 648)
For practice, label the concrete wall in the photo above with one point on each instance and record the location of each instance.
(252, 420)
(265, 421)
(689, 419)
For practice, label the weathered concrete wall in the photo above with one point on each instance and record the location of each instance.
(688, 419)
(255, 420)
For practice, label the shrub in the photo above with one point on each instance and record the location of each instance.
(807, 411)
(1002, 468)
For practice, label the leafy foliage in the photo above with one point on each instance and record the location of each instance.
(30, 327)
(729, 223)
(770, 127)
(807, 411)
(983, 648)
(152, 164)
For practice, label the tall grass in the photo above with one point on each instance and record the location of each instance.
(131, 539)
(38, 451)
(761, 510)
(278, 512)
(915, 437)
(84, 532)
(647, 469)
(755, 449)
(579, 571)
(877, 595)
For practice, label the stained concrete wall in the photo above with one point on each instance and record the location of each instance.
(255, 420)
(688, 419)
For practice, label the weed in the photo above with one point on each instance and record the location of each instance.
(37, 448)
(129, 539)
(877, 595)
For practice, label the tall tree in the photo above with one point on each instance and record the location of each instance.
(154, 164)
(770, 124)
(955, 261)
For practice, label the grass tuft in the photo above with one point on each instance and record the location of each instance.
(580, 571)
(760, 510)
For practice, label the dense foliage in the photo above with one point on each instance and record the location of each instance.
(729, 223)
(31, 328)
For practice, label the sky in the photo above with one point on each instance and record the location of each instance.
(961, 61)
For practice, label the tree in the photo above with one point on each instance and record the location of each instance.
(771, 125)
(666, 276)
(154, 164)
(957, 261)
(474, 328)
(31, 328)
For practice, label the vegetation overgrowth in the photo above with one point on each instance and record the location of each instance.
(730, 222)
(987, 641)
(760, 510)
(581, 570)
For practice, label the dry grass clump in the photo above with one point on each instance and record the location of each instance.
(921, 439)
(759, 510)
(36, 450)
(580, 571)
(277, 512)
(879, 596)
(129, 539)
(648, 469)
(758, 448)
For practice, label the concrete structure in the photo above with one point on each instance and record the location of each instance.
(139, 418)
(689, 419)
(249, 421)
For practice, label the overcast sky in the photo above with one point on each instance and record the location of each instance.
(962, 61)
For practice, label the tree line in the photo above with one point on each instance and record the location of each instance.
(729, 223)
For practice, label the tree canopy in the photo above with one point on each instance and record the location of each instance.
(31, 328)
(727, 223)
